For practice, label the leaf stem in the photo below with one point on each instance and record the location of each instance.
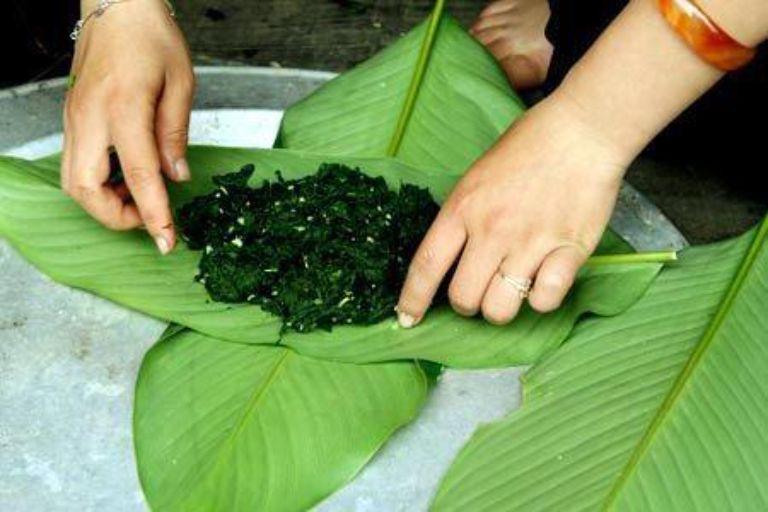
(637, 257)
(418, 76)
(682, 379)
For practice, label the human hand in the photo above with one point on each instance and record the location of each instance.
(533, 207)
(133, 90)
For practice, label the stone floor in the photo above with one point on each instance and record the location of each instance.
(330, 35)
(706, 206)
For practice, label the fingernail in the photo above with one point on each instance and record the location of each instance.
(181, 170)
(163, 245)
(405, 320)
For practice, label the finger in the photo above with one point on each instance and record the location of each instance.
(71, 114)
(479, 262)
(502, 299)
(88, 176)
(555, 277)
(66, 155)
(430, 263)
(172, 126)
(489, 36)
(489, 22)
(132, 128)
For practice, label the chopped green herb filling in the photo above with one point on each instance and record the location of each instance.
(331, 248)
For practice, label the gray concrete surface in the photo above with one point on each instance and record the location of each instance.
(68, 361)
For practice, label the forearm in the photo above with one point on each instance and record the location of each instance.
(88, 6)
(640, 74)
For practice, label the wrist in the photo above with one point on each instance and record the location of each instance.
(603, 128)
(562, 127)
(134, 13)
(89, 6)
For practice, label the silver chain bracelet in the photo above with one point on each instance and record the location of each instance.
(100, 9)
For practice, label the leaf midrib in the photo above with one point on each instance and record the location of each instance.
(228, 444)
(683, 378)
(422, 61)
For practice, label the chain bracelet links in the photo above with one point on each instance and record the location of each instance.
(100, 9)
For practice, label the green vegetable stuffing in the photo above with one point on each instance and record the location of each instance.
(331, 248)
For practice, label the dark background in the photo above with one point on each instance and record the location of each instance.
(705, 171)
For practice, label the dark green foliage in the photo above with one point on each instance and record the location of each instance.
(330, 248)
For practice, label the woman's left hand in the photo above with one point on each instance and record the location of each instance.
(533, 207)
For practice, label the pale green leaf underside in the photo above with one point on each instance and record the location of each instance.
(226, 426)
(464, 103)
(54, 233)
(589, 406)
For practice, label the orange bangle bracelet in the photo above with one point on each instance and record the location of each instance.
(704, 36)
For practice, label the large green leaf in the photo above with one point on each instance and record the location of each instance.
(457, 110)
(231, 427)
(460, 342)
(662, 408)
(52, 232)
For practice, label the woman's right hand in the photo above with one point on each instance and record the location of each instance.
(133, 89)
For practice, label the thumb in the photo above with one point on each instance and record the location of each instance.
(172, 126)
